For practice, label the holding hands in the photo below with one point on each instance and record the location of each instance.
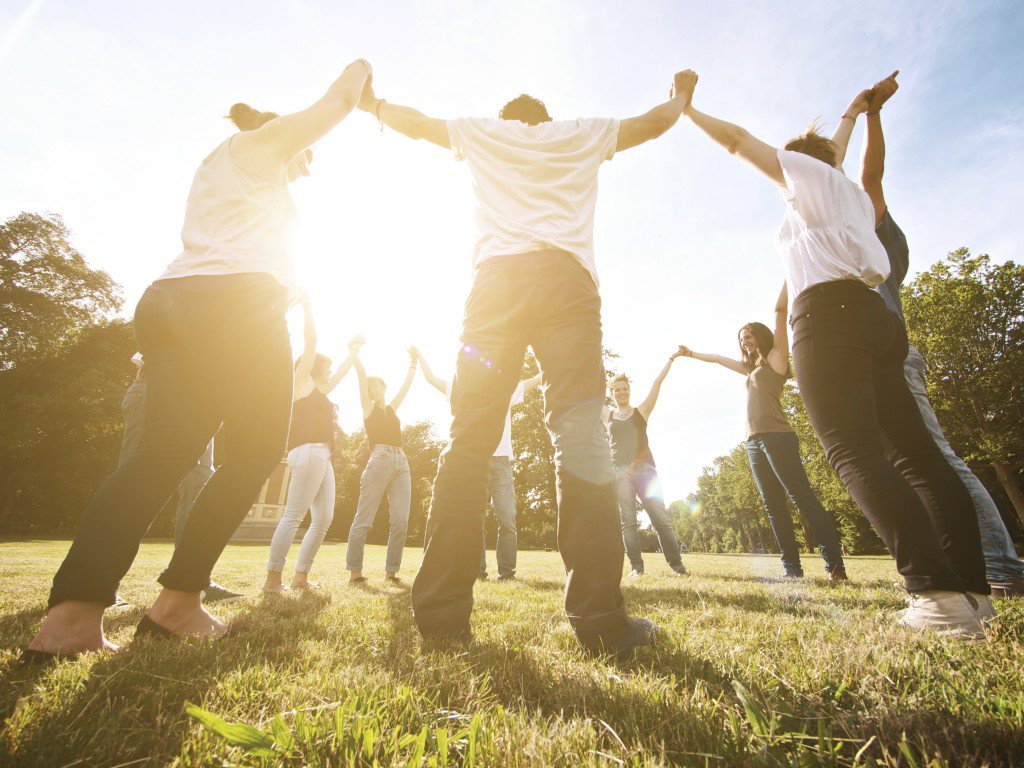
(355, 344)
(881, 92)
(683, 85)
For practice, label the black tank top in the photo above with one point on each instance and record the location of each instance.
(313, 420)
(383, 427)
(629, 441)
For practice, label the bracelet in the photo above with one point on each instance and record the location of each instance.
(852, 117)
(376, 112)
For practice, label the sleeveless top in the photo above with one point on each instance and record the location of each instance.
(764, 401)
(383, 427)
(629, 441)
(236, 221)
(313, 420)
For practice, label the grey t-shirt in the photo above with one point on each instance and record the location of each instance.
(895, 244)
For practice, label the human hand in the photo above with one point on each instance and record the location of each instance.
(367, 99)
(361, 63)
(860, 103)
(683, 351)
(682, 86)
(356, 343)
(882, 91)
(414, 355)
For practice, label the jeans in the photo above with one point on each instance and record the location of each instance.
(848, 351)
(1001, 561)
(133, 407)
(547, 300)
(204, 339)
(503, 502)
(387, 471)
(778, 472)
(642, 481)
(311, 487)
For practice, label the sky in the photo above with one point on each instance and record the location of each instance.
(109, 107)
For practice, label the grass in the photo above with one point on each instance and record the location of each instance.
(751, 672)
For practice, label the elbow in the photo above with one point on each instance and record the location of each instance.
(735, 140)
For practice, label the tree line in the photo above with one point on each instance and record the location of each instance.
(64, 367)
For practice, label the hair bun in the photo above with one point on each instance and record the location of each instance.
(247, 118)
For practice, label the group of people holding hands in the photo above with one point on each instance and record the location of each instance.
(212, 331)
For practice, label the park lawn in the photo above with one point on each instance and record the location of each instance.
(751, 670)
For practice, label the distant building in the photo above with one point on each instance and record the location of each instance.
(262, 519)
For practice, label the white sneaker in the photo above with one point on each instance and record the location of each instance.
(943, 612)
(985, 610)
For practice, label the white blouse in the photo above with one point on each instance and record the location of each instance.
(828, 229)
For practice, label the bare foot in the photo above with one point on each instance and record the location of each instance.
(183, 614)
(273, 582)
(355, 577)
(72, 627)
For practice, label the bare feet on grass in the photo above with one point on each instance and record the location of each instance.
(182, 613)
(72, 627)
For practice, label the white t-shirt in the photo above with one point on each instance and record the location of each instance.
(536, 185)
(236, 221)
(828, 230)
(505, 446)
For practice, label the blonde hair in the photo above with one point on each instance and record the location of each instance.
(247, 118)
(616, 379)
(813, 144)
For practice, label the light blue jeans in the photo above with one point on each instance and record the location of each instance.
(642, 481)
(387, 471)
(503, 502)
(311, 487)
(1001, 561)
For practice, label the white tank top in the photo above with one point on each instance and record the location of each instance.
(236, 221)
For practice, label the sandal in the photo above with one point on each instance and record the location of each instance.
(31, 658)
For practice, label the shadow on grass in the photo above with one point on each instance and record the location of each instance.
(130, 705)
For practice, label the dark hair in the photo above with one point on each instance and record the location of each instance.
(814, 145)
(765, 343)
(246, 118)
(318, 360)
(525, 109)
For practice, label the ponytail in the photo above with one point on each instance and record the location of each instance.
(246, 118)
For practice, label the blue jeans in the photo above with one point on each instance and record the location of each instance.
(778, 472)
(642, 481)
(1001, 561)
(387, 471)
(503, 503)
(311, 487)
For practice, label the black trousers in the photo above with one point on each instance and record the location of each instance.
(549, 301)
(216, 350)
(848, 352)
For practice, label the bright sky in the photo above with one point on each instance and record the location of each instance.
(108, 108)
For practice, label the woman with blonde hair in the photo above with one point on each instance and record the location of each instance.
(212, 330)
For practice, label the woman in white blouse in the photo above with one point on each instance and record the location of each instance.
(848, 352)
(212, 329)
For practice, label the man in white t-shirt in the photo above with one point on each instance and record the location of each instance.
(502, 490)
(535, 284)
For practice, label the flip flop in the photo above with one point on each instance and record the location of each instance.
(357, 580)
(149, 628)
(31, 658)
(275, 590)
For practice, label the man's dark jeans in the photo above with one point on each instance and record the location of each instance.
(548, 301)
(216, 350)
(778, 472)
(848, 352)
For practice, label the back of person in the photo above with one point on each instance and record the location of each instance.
(536, 185)
(236, 221)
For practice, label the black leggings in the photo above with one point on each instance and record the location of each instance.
(848, 351)
(216, 350)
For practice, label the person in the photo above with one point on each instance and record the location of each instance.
(535, 284)
(772, 446)
(132, 407)
(848, 352)
(386, 472)
(502, 488)
(1004, 570)
(213, 332)
(635, 472)
(310, 445)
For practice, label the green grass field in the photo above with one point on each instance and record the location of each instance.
(750, 671)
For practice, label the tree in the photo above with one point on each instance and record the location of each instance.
(966, 316)
(47, 291)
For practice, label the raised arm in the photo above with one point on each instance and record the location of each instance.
(435, 381)
(405, 120)
(725, 362)
(353, 349)
(531, 383)
(873, 161)
(364, 390)
(404, 389)
(651, 400)
(778, 358)
(305, 366)
(841, 137)
(734, 139)
(270, 147)
(634, 131)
